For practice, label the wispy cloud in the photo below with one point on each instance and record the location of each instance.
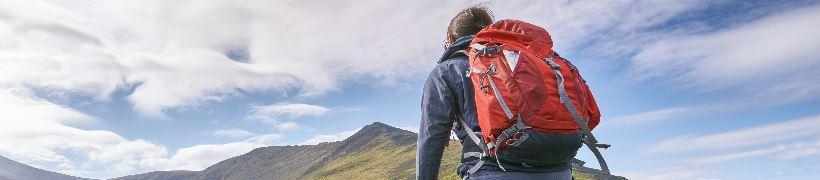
(673, 173)
(758, 135)
(773, 59)
(288, 126)
(180, 54)
(282, 115)
(736, 155)
(801, 149)
(275, 113)
(655, 116)
(198, 157)
(34, 132)
(410, 128)
(234, 133)
(781, 152)
(688, 112)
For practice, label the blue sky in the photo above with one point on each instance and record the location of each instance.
(687, 89)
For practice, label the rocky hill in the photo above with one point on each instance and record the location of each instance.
(377, 151)
(13, 170)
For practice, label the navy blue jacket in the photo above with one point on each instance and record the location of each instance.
(448, 94)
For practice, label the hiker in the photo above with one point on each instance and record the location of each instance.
(533, 141)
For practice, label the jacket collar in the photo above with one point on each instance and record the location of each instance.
(460, 44)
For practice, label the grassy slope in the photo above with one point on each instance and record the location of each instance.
(378, 151)
(389, 161)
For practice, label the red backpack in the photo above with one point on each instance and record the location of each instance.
(533, 106)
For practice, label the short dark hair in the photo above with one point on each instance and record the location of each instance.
(468, 22)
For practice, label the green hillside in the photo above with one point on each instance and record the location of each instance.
(378, 151)
(384, 164)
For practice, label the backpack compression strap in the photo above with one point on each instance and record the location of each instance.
(588, 139)
(478, 142)
(507, 133)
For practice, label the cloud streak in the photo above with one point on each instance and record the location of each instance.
(178, 55)
(758, 135)
(276, 113)
(782, 152)
(772, 59)
(233, 133)
(35, 132)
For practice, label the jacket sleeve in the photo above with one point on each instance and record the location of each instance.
(437, 108)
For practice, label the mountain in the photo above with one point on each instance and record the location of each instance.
(377, 151)
(13, 170)
(167, 175)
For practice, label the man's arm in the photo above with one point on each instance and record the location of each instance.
(436, 120)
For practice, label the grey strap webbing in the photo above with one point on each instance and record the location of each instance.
(589, 139)
(478, 142)
(498, 96)
(472, 154)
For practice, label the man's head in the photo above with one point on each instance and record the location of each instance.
(468, 22)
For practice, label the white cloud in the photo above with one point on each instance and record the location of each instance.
(655, 116)
(275, 113)
(801, 149)
(758, 135)
(175, 56)
(673, 173)
(287, 126)
(782, 152)
(609, 28)
(690, 112)
(234, 133)
(772, 60)
(736, 155)
(320, 138)
(685, 174)
(410, 128)
(34, 132)
(199, 157)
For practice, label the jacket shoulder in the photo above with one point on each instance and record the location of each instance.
(454, 60)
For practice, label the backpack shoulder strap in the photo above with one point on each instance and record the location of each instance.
(588, 139)
(454, 54)
(477, 141)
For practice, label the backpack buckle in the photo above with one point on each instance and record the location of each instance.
(552, 64)
(487, 51)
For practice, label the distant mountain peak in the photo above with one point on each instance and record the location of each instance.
(379, 126)
(381, 130)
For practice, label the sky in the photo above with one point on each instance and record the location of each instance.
(699, 89)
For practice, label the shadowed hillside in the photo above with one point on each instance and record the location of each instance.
(13, 170)
(167, 175)
(378, 151)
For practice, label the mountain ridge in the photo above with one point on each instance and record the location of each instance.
(376, 151)
(13, 170)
